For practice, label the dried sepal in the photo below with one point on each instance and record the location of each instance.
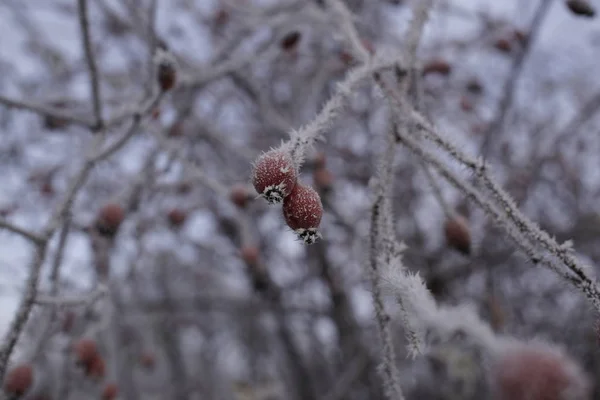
(303, 211)
(274, 175)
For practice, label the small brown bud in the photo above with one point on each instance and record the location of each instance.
(368, 45)
(109, 219)
(503, 45)
(221, 17)
(346, 57)
(520, 36)
(458, 235)
(53, 122)
(147, 360)
(240, 195)
(166, 73)
(176, 130)
(68, 321)
(250, 255)
(466, 104)
(437, 66)
(19, 380)
(177, 217)
(46, 188)
(474, 86)
(184, 188)
(290, 40)
(582, 8)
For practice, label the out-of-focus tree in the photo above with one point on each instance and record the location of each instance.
(432, 168)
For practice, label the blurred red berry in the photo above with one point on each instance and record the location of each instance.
(109, 219)
(147, 360)
(97, 368)
(250, 255)
(177, 217)
(85, 351)
(19, 380)
(457, 233)
(535, 372)
(239, 195)
(274, 175)
(302, 211)
(110, 391)
(323, 179)
(320, 160)
(466, 104)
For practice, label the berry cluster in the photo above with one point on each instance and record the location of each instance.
(275, 178)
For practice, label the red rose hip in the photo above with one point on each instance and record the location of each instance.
(274, 175)
(302, 211)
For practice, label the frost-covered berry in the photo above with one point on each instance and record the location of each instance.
(302, 211)
(274, 175)
(19, 380)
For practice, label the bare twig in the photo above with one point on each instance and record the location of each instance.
(45, 110)
(91, 61)
(514, 75)
(32, 236)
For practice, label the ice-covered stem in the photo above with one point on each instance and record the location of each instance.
(304, 137)
(415, 30)
(388, 368)
(523, 241)
(345, 18)
(95, 154)
(526, 233)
